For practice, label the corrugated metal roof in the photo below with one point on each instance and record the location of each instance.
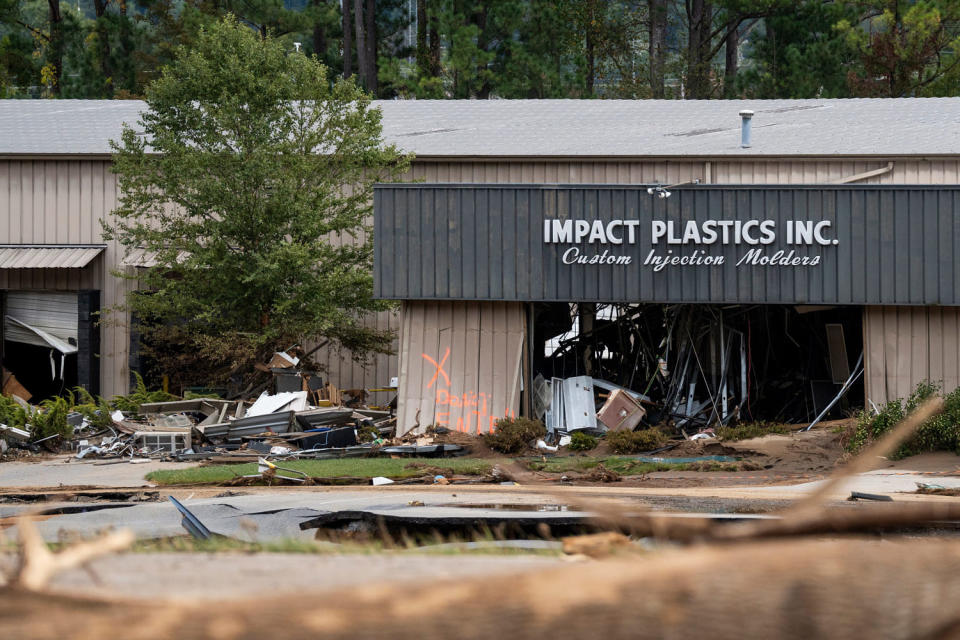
(565, 128)
(49, 257)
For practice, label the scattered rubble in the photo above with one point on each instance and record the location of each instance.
(307, 422)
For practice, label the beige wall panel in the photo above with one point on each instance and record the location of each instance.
(950, 326)
(62, 202)
(775, 171)
(908, 345)
(346, 373)
(934, 329)
(459, 364)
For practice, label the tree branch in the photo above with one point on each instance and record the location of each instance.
(34, 30)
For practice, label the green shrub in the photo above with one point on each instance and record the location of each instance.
(940, 433)
(367, 433)
(581, 441)
(12, 414)
(51, 419)
(636, 441)
(513, 435)
(131, 403)
(95, 409)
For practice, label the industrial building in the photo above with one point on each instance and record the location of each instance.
(525, 224)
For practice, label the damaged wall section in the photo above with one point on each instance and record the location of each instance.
(698, 366)
(460, 364)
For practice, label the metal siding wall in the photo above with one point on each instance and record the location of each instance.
(907, 345)
(342, 370)
(880, 337)
(479, 348)
(62, 202)
(80, 192)
(894, 246)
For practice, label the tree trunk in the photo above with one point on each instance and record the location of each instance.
(370, 17)
(319, 33)
(590, 46)
(732, 47)
(423, 54)
(347, 40)
(434, 46)
(700, 17)
(361, 44)
(480, 19)
(56, 44)
(658, 52)
(103, 35)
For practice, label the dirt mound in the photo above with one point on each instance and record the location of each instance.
(694, 448)
(801, 451)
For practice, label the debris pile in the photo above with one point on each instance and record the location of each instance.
(690, 368)
(302, 420)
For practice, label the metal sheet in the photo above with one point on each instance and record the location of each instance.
(883, 245)
(459, 365)
(580, 410)
(42, 318)
(48, 257)
(276, 422)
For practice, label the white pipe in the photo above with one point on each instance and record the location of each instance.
(866, 174)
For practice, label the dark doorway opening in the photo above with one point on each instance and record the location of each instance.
(43, 371)
(703, 365)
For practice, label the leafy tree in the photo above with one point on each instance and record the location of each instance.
(46, 23)
(251, 185)
(904, 48)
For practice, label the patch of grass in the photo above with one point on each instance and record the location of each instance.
(716, 465)
(513, 435)
(219, 544)
(636, 441)
(341, 468)
(462, 548)
(748, 430)
(621, 465)
(631, 466)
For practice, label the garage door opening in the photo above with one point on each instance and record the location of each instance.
(696, 366)
(50, 341)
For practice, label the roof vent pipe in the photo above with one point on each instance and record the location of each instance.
(745, 116)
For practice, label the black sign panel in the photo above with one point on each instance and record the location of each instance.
(711, 244)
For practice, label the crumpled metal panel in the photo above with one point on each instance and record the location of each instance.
(279, 422)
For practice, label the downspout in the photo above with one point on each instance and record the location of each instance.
(863, 176)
